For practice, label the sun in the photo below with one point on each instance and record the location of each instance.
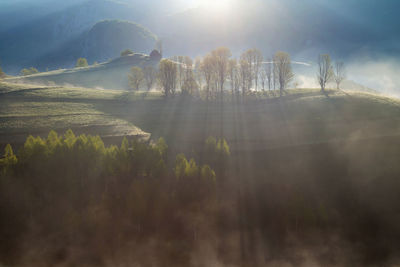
(215, 5)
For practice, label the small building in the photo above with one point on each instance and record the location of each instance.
(155, 55)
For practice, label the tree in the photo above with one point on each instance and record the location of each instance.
(189, 86)
(340, 74)
(264, 76)
(244, 76)
(9, 157)
(269, 72)
(167, 76)
(81, 62)
(207, 68)
(2, 74)
(149, 73)
(283, 70)
(29, 71)
(325, 72)
(197, 72)
(179, 61)
(258, 60)
(254, 58)
(221, 57)
(126, 52)
(135, 77)
(233, 75)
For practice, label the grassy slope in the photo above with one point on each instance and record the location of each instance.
(29, 109)
(111, 75)
(301, 117)
(304, 116)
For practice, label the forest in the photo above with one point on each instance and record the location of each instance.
(70, 200)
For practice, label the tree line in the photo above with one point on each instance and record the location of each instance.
(218, 72)
(65, 189)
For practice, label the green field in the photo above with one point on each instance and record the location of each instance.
(263, 121)
(28, 109)
(306, 172)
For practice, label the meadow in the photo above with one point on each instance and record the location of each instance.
(309, 178)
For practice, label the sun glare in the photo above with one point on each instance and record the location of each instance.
(216, 5)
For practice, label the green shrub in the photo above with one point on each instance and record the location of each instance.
(126, 52)
(30, 71)
(81, 62)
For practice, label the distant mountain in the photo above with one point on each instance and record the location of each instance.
(104, 41)
(342, 28)
(22, 46)
(15, 13)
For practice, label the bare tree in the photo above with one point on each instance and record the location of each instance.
(207, 69)
(257, 61)
(167, 76)
(283, 70)
(188, 68)
(274, 74)
(269, 73)
(197, 72)
(325, 71)
(254, 58)
(245, 76)
(190, 85)
(263, 76)
(135, 78)
(179, 61)
(232, 74)
(221, 57)
(149, 76)
(340, 74)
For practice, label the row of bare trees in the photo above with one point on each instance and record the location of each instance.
(211, 74)
(329, 72)
(217, 72)
(146, 75)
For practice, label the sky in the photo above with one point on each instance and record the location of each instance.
(375, 44)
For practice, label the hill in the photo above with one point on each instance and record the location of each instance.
(104, 41)
(302, 117)
(110, 75)
(30, 109)
(26, 44)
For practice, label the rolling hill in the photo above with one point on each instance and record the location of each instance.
(302, 117)
(31, 109)
(108, 75)
(104, 41)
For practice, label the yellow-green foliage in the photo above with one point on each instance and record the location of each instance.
(219, 147)
(70, 183)
(29, 71)
(81, 62)
(208, 174)
(185, 168)
(126, 52)
(190, 169)
(223, 147)
(2, 74)
(161, 146)
(9, 158)
(181, 164)
(88, 153)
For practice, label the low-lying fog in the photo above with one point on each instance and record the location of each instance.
(381, 75)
